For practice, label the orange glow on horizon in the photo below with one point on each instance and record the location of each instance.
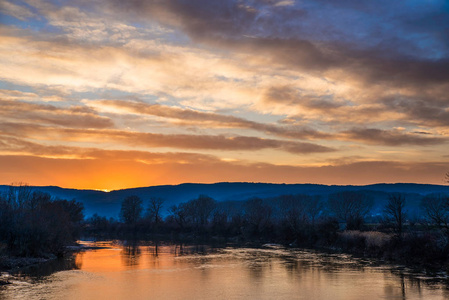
(112, 175)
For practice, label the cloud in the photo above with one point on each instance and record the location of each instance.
(28, 96)
(289, 96)
(298, 37)
(391, 137)
(372, 50)
(424, 111)
(18, 11)
(143, 139)
(9, 145)
(74, 116)
(329, 109)
(190, 117)
(146, 67)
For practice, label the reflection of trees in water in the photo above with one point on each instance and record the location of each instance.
(131, 253)
(257, 264)
(256, 271)
(179, 249)
(154, 250)
(40, 271)
(182, 249)
(196, 256)
(407, 281)
(398, 286)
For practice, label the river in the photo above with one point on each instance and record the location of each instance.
(120, 270)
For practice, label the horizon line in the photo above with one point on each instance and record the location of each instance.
(218, 182)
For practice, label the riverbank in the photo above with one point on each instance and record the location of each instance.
(12, 266)
(10, 263)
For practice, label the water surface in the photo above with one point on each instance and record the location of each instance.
(121, 270)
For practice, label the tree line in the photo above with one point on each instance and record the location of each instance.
(33, 223)
(291, 215)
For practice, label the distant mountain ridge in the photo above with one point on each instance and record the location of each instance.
(108, 203)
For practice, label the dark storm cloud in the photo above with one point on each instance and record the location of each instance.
(301, 37)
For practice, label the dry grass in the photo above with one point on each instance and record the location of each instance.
(373, 239)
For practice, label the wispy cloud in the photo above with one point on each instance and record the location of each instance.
(392, 137)
(182, 141)
(188, 117)
(78, 116)
(18, 11)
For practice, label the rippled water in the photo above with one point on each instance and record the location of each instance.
(119, 270)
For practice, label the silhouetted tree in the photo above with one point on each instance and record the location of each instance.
(131, 210)
(73, 208)
(293, 211)
(436, 208)
(395, 213)
(38, 200)
(257, 215)
(18, 195)
(33, 224)
(154, 210)
(350, 207)
(179, 214)
(205, 206)
(199, 210)
(220, 222)
(314, 208)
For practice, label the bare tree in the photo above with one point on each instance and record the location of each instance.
(38, 199)
(293, 211)
(314, 208)
(179, 214)
(350, 207)
(257, 214)
(204, 205)
(131, 209)
(19, 194)
(436, 208)
(196, 212)
(395, 212)
(32, 223)
(154, 209)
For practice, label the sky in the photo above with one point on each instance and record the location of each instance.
(111, 94)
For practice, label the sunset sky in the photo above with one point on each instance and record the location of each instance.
(109, 94)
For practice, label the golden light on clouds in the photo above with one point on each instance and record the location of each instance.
(109, 94)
